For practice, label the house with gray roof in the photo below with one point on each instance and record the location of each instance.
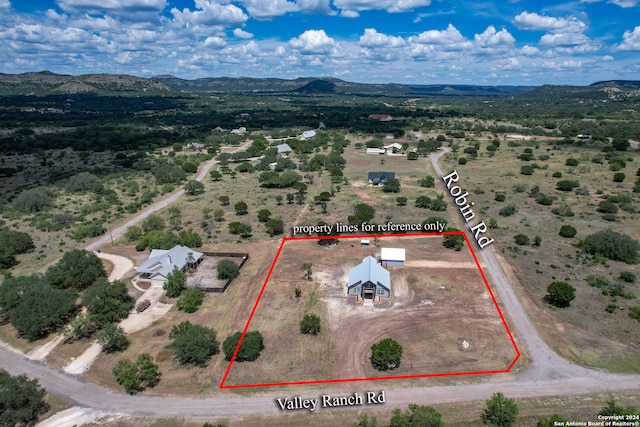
(283, 148)
(369, 280)
(162, 262)
(378, 178)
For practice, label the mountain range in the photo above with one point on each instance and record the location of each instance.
(47, 83)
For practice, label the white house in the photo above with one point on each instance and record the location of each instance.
(395, 145)
(376, 151)
(392, 257)
(308, 134)
(162, 262)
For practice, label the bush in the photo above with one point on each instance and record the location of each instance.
(310, 324)
(34, 200)
(21, 401)
(612, 245)
(193, 344)
(227, 269)
(453, 241)
(274, 226)
(135, 377)
(572, 162)
(112, 338)
(557, 175)
(568, 231)
(250, 349)
(190, 300)
(107, 302)
(427, 181)
(560, 294)
(500, 197)
(508, 210)
(627, 276)
(462, 161)
(521, 239)
(618, 177)
(544, 200)
(563, 211)
(567, 185)
(386, 354)
(527, 170)
(499, 411)
(416, 415)
(634, 313)
(607, 206)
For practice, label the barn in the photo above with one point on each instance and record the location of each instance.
(368, 280)
(392, 257)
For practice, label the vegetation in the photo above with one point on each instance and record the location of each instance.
(77, 270)
(193, 344)
(386, 354)
(416, 416)
(560, 294)
(310, 324)
(190, 300)
(614, 409)
(176, 283)
(136, 376)
(568, 231)
(227, 269)
(612, 245)
(107, 302)
(250, 349)
(112, 338)
(499, 411)
(21, 400)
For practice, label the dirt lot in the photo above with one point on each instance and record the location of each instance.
(441, 314)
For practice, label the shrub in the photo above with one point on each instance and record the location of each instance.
(607, 206)
(544, 200)
(193, 344)
(568, 231)
(618, 177)
(564, 211)
(527, 170)
(571, 162)
(627, 276)
(634, 313)
(112, 338)
(612, 245)
(227, 269)
(567, 185)
(557, 175)
(500, 197)
(508, 210)
(190, 300)
(249, 350)
(310, 324)
(386, 354)
(560, 294)
(521, 239)
(462, 161)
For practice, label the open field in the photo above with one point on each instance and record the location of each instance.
(446, 307)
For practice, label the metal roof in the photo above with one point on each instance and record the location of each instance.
(392, 254)
(164, 262)
(369, 271)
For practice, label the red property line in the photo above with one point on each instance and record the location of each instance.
(348, 380)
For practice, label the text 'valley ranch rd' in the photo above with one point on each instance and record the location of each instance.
(327, 401)
(464, 207)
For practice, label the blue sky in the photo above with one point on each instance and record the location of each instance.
(511, 42)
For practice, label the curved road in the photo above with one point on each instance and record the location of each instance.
(549, 375)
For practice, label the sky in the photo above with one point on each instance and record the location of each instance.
(510, 42)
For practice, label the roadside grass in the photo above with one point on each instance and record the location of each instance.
(597, 338)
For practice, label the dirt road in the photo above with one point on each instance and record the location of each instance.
(549, 374)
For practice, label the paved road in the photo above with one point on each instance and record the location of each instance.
(549, 376)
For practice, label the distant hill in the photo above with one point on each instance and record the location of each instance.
(47, 83)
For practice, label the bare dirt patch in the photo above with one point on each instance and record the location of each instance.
(440, 313)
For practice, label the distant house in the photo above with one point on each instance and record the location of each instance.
(377, 151)
(308, 134)
(195, 146)
(364, 243)
(239, 131)
(394, 146)
(381, 117)
(369, 280)
(162, 262)
(378, 178)
(283, 148)
(392, 257)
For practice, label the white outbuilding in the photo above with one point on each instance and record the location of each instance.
(392, 257)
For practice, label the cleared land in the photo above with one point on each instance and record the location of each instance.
(442, 315)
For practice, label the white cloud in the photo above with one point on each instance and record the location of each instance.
(349, 14)
(210, 12)
(492, 38)
(621, 3)
(373, 39)
(268, 9)
(241, 34)
(388, 5)
(510, 64)
(630, 40)
(564, 65)
(564, 39)
(533, 21)
(112, 5)
(529, 50)
(449, 39)
(214, 42)
(5, 5)
(314, 42)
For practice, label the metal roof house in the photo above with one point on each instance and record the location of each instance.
(308, 134)
(162, 262)
(378, 178)
(283, 148)
(392, 257)
(377, 151)
(368, 280)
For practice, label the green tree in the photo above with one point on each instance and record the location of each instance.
(215, 175)
(386, 354)
(412, 155)
(307, 267)
(365, 420)
(189, 167)
(278, 199)
(227, 269)
(176, 283)
(77, 269)
(310, 324)
(17, 241)
(521, 239)
(241, 208)
(244, 230)
(189, 238)
(568, 231)
(21, 400)
(361, 213)
(553, 421)
(560, 294)
(218, 215)
(112, 338)
(193, 188)
(190, 300)
(500, 411)
(391, 185)
(416, 416)
(401, 201)
(427, 181)
(250, 349)
(264, 215)
(614, 409)
(107, 302)
(136, 376)
(153, 223)
(274, 226)
(34, 200)
(224, 200)
(193, 344)
(612, 245)
(453, 241)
